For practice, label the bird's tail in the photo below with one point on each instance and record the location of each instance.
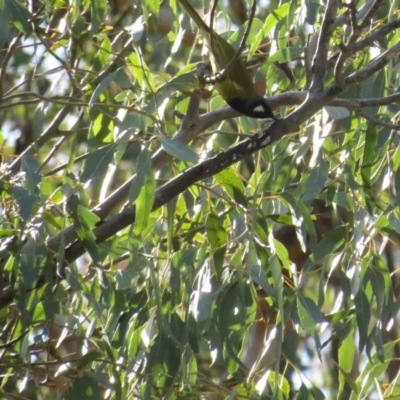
(194, 15)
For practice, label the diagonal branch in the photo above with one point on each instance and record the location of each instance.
(370, 14)
(167, 192)
(186, 179)
(374, 66)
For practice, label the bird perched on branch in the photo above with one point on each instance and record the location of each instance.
(234, 84)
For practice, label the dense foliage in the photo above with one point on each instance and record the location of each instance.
(156, 244)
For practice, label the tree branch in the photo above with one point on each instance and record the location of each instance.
(374, 66)
(371, 12)
(321, 55)
(341, 20)
(186, 179)
(379, 122)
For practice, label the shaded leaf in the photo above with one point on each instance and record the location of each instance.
(363, 313)
(98, 163)
(144, 203)
(316, 181)
(179, 150)
(85, 388)
(310, 315)
(18, 16)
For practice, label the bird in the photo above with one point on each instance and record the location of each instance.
(236, 85)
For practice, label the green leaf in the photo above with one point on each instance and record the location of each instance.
(145, 200)
(26, 200)
(89, 357)
(141, 72)
(346, 377)
(279, 384)
(363, 313)
(98, 14)
(178, 329)
(217, 237)
(84, 221)
(369, 155)
(346, 352)
(88, 217)
(270, 22)
(84, 388)
(316, 181)
(179, 150)
(18, 16)
(216, 233)
(309, 393)
(143, 167)
(29, 166)
(182, 83)
(233, 185)
(102, 86)
(98, 163)
(330, 242)
(286, 55)
(52, 308)
(373, 370)
(310, 315)
(32, 260)
(258, 275)
(302, 221)
(164, 360)
(101, 130)
(6, 33)
(375, 276)
(231, 317)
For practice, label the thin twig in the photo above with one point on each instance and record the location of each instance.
(6, 59)
(379, 122)
(44, 137)
(51, 154)
(67, 67)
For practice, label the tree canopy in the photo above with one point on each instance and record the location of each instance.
(155, 243)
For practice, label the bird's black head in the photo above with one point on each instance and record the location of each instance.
(254, 108)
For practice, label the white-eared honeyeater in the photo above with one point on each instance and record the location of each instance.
(235, 86)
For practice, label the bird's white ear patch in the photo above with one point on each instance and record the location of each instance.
(259, 109)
